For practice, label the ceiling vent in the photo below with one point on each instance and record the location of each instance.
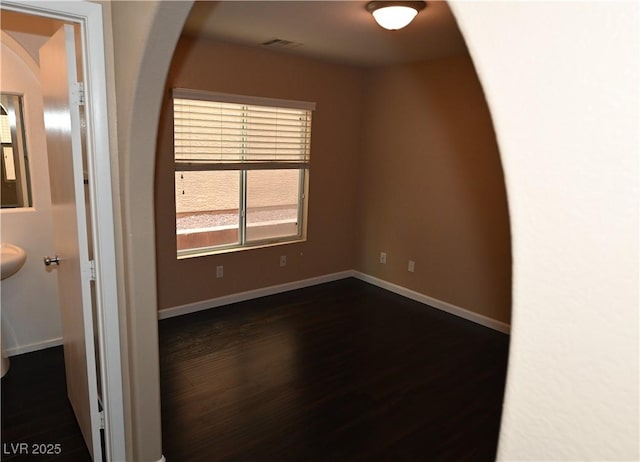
(280, 43)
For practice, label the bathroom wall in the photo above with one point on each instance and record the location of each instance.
(30, 307)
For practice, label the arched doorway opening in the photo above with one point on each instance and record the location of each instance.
(571, 290)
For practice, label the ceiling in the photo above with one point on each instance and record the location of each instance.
(341, 31)
(31, 32)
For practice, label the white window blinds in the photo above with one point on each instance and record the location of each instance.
(214, 131)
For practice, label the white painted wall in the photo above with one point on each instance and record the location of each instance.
(30, 307)
(563, 85)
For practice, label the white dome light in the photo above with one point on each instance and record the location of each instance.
(394, 15)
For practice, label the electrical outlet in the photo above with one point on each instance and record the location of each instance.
(383, 258)
(219, 271)
(412, 266)
(283, 260)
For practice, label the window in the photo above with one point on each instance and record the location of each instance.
(241, 170)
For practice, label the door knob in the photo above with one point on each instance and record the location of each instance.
(49, 261)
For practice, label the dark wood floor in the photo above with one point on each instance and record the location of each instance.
(36, 411)
(338, 372)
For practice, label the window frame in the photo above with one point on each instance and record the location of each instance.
(302, 167)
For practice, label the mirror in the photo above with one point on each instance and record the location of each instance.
(16, 187)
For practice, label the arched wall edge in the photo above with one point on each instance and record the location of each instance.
(564, 103)
(145, 36)
(13, 44)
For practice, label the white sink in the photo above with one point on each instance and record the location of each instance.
(12, 258)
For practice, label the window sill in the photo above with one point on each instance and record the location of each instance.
(186, 254)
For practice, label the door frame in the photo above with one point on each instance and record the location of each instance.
(89, 17)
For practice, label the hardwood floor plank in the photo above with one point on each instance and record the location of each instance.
(36, 410)
(342, 371)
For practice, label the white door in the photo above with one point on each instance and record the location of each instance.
(64, 145)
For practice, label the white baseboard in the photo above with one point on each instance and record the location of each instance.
(272, 290)
(162, 459)
(250, 295)
(21, 349)
(435, 303)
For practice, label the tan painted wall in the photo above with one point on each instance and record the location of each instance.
(404, 160)
(337, 90)
(431, 187)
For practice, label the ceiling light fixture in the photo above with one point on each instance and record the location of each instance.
(394, 15)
